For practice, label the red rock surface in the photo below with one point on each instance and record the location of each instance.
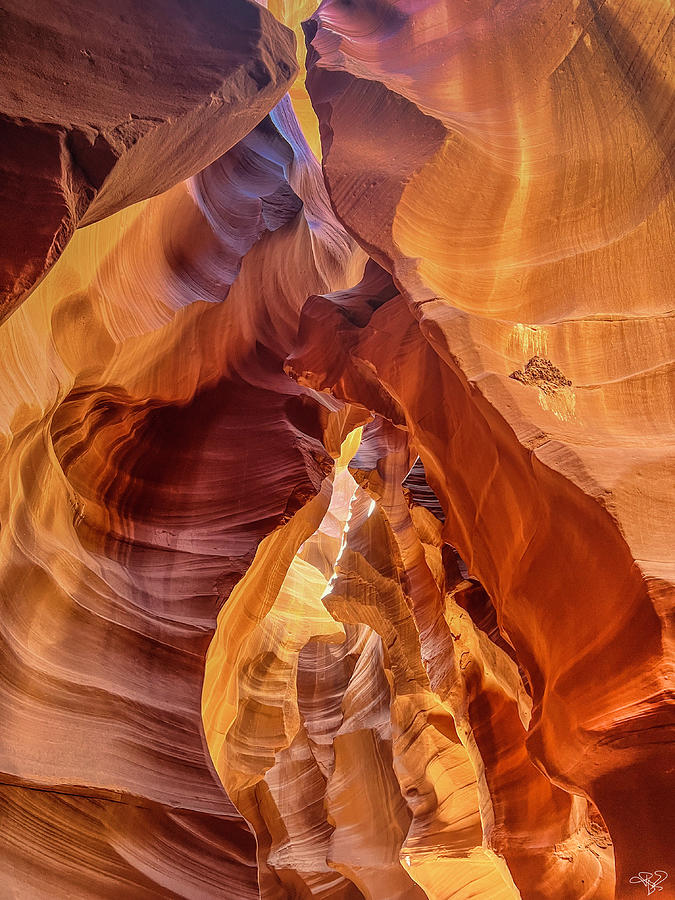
(106, 104)
(510, 212)
(336, 498)
(139, 428)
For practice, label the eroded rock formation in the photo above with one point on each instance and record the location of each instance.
(335, 497)
(511, 215)
(138, 423)
(106, 104)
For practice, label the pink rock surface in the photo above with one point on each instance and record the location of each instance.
(103, 105)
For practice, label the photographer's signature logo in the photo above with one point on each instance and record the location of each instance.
(651, 880)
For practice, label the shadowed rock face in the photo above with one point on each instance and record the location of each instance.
(106, 104)
(137, 429)
(523, 239)
(335, 532)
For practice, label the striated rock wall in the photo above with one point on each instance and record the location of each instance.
(105, 104)
(335, 497)
(151, 439)
(516, 225)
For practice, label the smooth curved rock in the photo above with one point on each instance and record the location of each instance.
(515, 220)
(292, 13)
(465, 447)
(103, 105)
(325, 576)
(150, 441)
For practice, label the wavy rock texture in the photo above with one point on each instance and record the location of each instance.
(325, 730)
(150, 440)
(335, 530)
(490, 703)
(523, 207)
(387, 340)
(118, 103)
(292, 13)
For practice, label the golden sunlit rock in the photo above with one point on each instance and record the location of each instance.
(293, 13)
(118, 102)
(336, 450)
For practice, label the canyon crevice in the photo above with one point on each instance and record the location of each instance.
(336, 450)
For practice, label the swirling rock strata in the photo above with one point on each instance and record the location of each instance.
(511, 212)
(324, 576)
(151, 439)
(103, 105)
(462, 452)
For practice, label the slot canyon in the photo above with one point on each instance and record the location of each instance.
(337, 449)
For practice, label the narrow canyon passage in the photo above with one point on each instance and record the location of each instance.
(336, 450)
